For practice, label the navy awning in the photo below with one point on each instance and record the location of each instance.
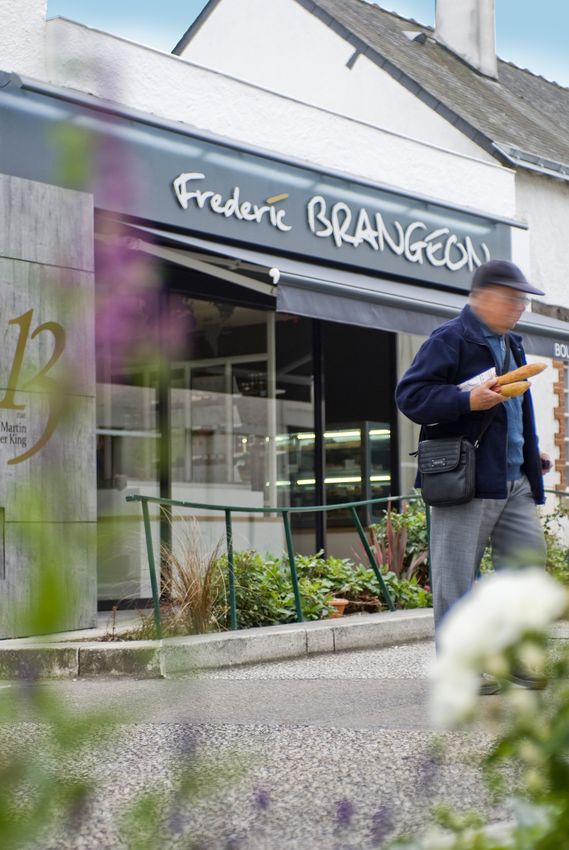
(322, 292)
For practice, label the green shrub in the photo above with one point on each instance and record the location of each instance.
(261, 589)
(265, 595)
(264, 590)
(407, 593)
(557, 552)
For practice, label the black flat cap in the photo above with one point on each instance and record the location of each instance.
(502, 273)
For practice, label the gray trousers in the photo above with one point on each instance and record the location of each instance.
(459, 536)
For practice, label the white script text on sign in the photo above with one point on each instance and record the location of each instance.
(342, 224)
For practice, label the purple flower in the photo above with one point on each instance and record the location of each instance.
(427, 774)
(188, 742)
(79, 809)
(199, 844)
(134, 319)
(381, 825)
(176, 823)
(344, 812)
(262, 799)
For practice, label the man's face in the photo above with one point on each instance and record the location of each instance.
(500, 307)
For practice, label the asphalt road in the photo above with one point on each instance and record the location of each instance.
(325, 752)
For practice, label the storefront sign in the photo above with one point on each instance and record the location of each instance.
(561, 350)
(183, 182)
(376, 226)
(414, 241)
(343, 224)
(230, 207)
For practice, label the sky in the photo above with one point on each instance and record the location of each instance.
(532, 35)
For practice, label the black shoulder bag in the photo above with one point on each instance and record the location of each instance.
(447, 465)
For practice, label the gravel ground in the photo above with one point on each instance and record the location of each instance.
(345, 782)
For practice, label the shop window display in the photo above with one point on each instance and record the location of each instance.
(230, 420)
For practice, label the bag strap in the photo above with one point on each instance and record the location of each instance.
(492, 413)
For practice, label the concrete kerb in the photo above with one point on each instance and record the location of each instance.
(39, 662)
(275, 643)
(152, 659)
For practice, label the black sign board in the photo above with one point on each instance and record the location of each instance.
(182, 181)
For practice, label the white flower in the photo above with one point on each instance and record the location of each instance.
(454, 695)
(497, 665)
(499, 610)
(495, 615)
(522, 703)
(531, 753)
(532, 657)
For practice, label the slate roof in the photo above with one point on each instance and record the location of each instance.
(520, 112)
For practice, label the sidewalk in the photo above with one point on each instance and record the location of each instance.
(80, 654)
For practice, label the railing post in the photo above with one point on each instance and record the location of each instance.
(367, 547)
(292, 565)
(152, 568)
(231, 570)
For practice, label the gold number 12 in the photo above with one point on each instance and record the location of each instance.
(41, 381)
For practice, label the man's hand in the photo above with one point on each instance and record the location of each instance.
(545, 462)
(484, 397)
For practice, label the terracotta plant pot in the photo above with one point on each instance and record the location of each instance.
(339, 605)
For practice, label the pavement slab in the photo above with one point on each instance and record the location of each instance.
(331, 751)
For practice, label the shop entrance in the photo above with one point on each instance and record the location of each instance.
(359, 437)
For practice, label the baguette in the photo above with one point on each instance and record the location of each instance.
(527, 371)
(513, 389)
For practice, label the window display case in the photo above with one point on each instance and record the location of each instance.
(357, 468)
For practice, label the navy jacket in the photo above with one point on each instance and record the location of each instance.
(427, 393)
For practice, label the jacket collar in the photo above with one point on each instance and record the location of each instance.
(473, 328)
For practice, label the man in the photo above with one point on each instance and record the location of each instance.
(509, 466)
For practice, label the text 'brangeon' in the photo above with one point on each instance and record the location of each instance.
(338, 222)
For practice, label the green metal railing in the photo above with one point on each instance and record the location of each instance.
(228, 510)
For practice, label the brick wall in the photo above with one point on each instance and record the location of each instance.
(561, 434)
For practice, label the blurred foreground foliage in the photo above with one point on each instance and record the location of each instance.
(508, 626)
(48, 794)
